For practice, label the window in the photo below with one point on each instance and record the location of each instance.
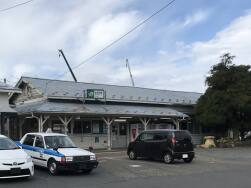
(39, 142)
(82, 127)
(58, 141)
(7, 144)
(104, 128)
(182, 135)
(141, 128)
(160, 136)
(146, 137)
(29, 140)
(122, 129)
(98, 127)
(86, 126)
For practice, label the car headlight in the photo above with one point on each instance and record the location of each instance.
(69, 159)
(92, 157)
(28, 159)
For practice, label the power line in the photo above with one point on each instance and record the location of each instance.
(115, 41)
(17, 5)
(124, 35)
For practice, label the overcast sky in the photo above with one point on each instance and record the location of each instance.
(174, 51)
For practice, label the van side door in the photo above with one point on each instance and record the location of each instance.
(142, 144)
(158, 145)
(28, 145)
(39, 157)
(139, 145)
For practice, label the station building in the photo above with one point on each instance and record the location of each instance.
(7, 114)
(99, 115)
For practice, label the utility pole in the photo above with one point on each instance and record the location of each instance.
(129, 69)
(69, 67)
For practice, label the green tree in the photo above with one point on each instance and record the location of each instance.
(227, 100)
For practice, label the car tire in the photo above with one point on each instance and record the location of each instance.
(188, 160)
(132, 155)
(168, 158)
(53, 167)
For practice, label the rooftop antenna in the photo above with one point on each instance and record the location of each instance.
(69, 67)
(129, 69)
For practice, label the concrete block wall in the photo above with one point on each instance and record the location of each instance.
(97, 141)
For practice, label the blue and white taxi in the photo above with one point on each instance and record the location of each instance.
(14, 162)
(57, 152)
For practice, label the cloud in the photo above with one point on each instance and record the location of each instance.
(196, 17)
(186, 67)
(109, 28)
(31, 36)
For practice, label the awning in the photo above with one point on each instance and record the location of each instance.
(7, 109)
(47, 107)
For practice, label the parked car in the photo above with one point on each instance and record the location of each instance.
(57, 152)
(165, 144)
(14, 162)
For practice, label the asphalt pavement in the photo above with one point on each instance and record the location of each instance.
(211, 168)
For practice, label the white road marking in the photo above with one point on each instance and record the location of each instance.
(102, 161)
(135, 166)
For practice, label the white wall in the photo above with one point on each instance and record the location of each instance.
(4, 102)
(88, 140)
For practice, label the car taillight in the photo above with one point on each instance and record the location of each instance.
(63, 160)
(173, 140)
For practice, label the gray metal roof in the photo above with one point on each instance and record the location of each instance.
(7, 88)
(7, 109)
(96, 109)
(70, 89)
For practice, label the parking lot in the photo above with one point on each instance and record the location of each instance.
(211, 168)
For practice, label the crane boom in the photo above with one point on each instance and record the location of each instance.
(69, 67)
(129, 69)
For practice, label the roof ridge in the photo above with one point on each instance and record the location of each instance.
(109, 85)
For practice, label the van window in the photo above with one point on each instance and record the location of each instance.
(160, 136)
(181, 135)
(29, 140)
(146, 137)
(39, 142)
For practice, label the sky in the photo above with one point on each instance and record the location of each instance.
(174, 50)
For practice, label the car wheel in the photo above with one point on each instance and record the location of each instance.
(52, 166)
(188, 160)
(132, 155)
(168, 158)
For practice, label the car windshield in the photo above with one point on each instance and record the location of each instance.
(58, 142)
(7, 144)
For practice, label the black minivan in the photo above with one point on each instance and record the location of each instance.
(164, 144)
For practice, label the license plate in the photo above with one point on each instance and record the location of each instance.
(184, 156)
(15, 170)
(82, 166)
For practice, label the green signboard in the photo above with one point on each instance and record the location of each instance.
(95, 94)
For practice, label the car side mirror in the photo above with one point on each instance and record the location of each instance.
(90, 149)
(137, 140)
(55, 148)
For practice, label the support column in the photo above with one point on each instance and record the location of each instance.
(7, 130)
(109, 122)
(65, 122)
(145, 122)
(20, 123)
(128, 135)
(41, 121)
(177, 123)
(72, 126)
(0, 123)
